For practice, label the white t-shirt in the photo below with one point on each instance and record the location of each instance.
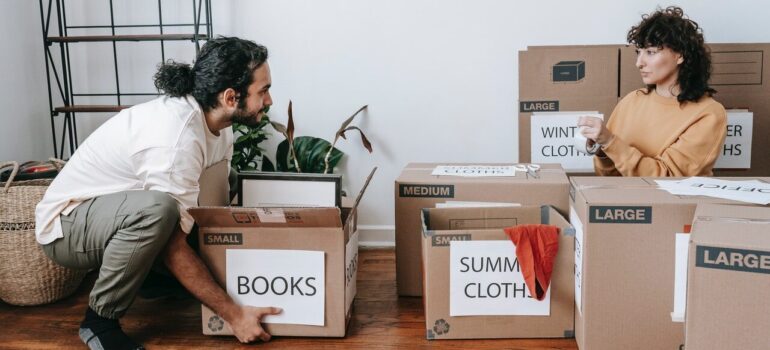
(162, 145)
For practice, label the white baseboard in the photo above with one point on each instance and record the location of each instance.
(377, 236)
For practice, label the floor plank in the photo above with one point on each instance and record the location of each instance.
(381, 320)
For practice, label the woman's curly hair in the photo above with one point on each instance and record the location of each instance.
(670, 28)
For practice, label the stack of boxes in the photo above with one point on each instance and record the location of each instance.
(613, 280)
(596, 77)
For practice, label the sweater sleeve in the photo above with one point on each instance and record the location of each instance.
(694, 152)
(604, 166)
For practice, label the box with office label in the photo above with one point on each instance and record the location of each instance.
(625, 238)
(303, 260)
(728, 278)
(424, 185)
(473, 281)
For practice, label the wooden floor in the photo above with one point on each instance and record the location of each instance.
(381, 320)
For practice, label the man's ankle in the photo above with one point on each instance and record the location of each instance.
(99, 332)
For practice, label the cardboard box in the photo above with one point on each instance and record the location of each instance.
(416, 189)
(303, 260)
(728, 278)
(591, 84)
(611, 73)
(449, 240)
(625, 261)
(214, 185)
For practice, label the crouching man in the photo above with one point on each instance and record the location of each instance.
(121, 201)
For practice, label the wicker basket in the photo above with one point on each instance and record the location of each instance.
(27, 275)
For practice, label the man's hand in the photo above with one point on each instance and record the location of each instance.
(246, 323)
(188, 268)
(593, 128)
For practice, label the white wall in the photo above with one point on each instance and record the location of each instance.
(439, 76)
(25, 128)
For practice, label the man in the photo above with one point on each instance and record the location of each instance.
(121, 201)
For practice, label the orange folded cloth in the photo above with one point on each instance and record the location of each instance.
(536, 248)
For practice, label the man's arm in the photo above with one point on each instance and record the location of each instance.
(189, 269)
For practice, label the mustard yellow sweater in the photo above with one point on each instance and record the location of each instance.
(656, 136)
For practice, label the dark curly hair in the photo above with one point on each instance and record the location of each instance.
(670, 28)
(221, 64)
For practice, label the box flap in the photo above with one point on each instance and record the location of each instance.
(360, 195)
(479, 218)
(266, 217)
(732, 226)
(638, 190)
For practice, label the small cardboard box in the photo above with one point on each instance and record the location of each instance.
(728, 278)
(416, 189)
(304, 260)
(224, 231)
(625, 232)
(491, 300)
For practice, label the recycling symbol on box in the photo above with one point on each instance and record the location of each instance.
(441, 327)
(216, 323)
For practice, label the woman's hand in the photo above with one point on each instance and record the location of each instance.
(593, 128)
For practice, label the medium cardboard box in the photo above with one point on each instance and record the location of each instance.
(485, 301)
(625, 260)
(728, 278)
(303, 260)
(416, 189)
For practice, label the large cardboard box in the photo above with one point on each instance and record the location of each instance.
(416, 189)
(728, 279)
(610, 73)
(564, 78)
(625, 261)
(466, 298)
(303, 260)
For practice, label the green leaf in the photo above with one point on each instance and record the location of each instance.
(267, 165)
(246, 150)
(282, 161)
(310, 153)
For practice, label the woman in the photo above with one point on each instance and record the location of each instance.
(672, 127)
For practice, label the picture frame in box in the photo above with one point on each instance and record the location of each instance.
(271, 189)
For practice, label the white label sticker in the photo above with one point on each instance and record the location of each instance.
(680, 276)
(485, 279)
(552, 139)
(272, 215)
(579, 249)
(749, 191)
(474, 170)
(736, 151)
(293, 280)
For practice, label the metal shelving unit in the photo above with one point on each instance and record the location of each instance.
(59, 70)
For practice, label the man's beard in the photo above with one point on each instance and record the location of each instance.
(244, 117)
